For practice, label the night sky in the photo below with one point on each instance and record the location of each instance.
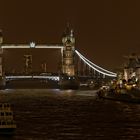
(105, 30)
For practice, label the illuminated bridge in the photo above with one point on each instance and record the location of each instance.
(72, 61)
(88, 64)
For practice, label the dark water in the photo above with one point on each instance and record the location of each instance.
(70, 115)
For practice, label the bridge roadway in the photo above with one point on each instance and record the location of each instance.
(56, 78)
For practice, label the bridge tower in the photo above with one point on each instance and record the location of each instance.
(68, 41)
(68, 78)
(2, 76)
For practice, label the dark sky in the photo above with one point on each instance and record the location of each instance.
(105, 30)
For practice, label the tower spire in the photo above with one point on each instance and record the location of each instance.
(68, 41)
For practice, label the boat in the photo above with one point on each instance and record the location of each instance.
(132, 96)
(7, 123)
(127, 85)
(126, 91)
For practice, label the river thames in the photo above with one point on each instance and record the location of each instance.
(53, 114)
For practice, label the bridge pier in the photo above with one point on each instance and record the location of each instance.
(2, 74)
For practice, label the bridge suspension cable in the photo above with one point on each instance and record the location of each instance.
(95, 67)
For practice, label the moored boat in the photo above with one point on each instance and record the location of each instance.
(124, 95)
(126, 92)
(127, 86)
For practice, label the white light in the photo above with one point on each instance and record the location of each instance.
(111, 75)
(20, 46)
(134, 85)
(85, 60)
(28, 77)
(50, 46)
(95, 64)
(32, 45)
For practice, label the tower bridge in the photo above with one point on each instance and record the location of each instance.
(70, 59)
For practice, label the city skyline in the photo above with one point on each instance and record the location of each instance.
(105, 31)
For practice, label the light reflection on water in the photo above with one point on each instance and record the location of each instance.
(52, 114)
